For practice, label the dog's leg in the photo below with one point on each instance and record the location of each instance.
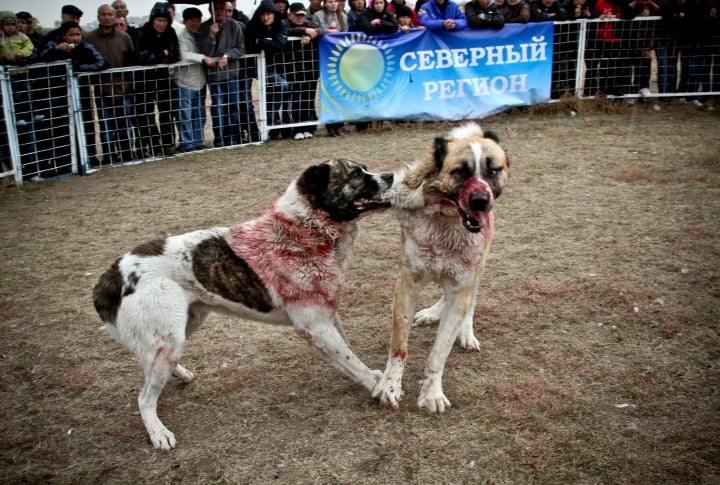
(152, 322)
(457, 299)
(157, 372)
(389, 389)
(319, 326)
(196, 315)
(466, 336)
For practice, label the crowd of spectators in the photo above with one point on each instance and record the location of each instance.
(161, 110)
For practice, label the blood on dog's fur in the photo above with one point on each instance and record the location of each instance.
(285, 267)
(444, 204)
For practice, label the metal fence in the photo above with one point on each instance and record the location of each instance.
(58, 123)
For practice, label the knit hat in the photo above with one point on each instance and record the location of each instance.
(403, 11)
(72, 10)
(192, 13)
(160, 10)
(7, 17)
(26, 16)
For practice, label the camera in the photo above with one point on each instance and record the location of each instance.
(71, 46)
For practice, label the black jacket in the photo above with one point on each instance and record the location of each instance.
(484, 18)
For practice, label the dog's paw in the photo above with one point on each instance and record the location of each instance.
(162, 438)
(389, 393)
(183, 374)
(468, 341)
(377, 374)
(434, 403)
(426, 316)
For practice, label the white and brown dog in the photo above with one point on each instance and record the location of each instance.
(444, 204)
(285, 267)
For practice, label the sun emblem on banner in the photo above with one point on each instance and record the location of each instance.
(360, 68)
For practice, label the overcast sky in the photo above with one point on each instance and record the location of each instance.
(48, 11)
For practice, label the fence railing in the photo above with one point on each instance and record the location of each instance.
(58, 123)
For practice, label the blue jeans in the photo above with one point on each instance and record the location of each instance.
(277, 96)
(115, 131)
(192, 118)
(225, 112)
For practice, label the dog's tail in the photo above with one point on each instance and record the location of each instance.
(107, 294)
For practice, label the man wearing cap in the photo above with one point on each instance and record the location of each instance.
(222, 39)
(191, 82)
(303, 82)
(68, 13)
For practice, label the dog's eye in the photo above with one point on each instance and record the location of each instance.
(463, 171)
(493, 172)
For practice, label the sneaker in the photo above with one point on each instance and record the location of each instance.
(696, 102)
(682, 100)
(645, 93)
(307, 135)
(631, 102)
(169, 151)
(38, 117)
(37, 178)
(299, 136)
(657, 107)
(21, 123)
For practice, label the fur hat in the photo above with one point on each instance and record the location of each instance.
(7, 17)
(72, 10)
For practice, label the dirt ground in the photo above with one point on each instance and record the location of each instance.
(598, 317)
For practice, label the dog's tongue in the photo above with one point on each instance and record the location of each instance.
(485, 224)
(470, 187)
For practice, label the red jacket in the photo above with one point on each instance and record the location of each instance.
(605, 30)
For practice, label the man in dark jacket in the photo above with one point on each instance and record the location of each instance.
(483, 14)
(222, 38)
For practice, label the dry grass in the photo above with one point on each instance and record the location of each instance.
(598, 319)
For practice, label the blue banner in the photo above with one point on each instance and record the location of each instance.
(429, 76)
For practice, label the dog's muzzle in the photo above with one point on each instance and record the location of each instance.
(474, 204)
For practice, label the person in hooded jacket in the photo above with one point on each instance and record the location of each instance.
(157, 43)
(377, 19)
(267, 33)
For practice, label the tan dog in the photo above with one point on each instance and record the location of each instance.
(444, 204)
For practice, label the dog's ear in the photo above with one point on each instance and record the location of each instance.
(440, 149)
(492, 135)
(314, 180)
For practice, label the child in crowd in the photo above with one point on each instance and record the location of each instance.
(394, 7)
(405, 20)
(71, 46)
(16, 49)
